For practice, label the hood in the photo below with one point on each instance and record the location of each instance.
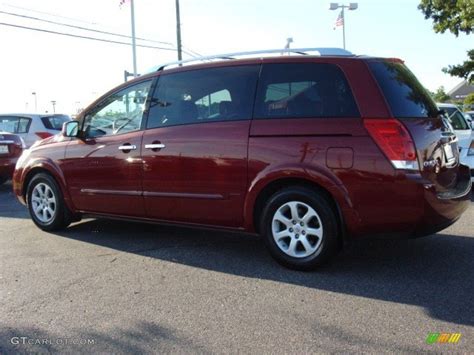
(47, 141)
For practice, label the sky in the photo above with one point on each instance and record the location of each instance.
(73, 72)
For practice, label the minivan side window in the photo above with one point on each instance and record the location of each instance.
(204, 95)
(304, 90)
(121, 112)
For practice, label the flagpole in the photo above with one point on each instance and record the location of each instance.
(134, 44)
(178, 32)
(343, 29)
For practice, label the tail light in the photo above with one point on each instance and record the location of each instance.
(43, 135)
(394, 141)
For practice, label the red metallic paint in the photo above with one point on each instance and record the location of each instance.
(103, 179)
(212, 174)
(201, 174)
(8, 160)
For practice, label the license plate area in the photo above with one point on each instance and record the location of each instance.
(4, 149)
(449, 156)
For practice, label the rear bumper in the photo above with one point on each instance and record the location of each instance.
(443, 209)
(7, 166)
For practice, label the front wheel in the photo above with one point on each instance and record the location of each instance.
(300, 228)
(46, 204)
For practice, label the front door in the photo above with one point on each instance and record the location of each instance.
(195, 146)
(103, 168)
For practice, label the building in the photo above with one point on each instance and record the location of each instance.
(460, 91)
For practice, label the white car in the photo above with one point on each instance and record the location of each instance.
(470, 117)
(463, 131)
(32, 127)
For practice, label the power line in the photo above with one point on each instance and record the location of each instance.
(48, 13)
(79, 27)
(83, 37)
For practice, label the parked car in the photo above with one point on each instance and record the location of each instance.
(11, 147)
(463, 129)
(306, 151)
(470, 114)
(32, 127)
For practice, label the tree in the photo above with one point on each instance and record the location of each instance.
(456, 16)
(464, 70)
(469, 100)
(440, 95)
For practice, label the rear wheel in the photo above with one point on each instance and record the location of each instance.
(46, 203)
(300, 228)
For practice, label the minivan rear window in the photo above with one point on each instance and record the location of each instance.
(402, 90)
(54, 122)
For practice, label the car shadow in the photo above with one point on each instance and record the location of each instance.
(432, 272)
(9, 205)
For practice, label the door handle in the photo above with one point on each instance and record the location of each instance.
(155, 146)
(127, 147)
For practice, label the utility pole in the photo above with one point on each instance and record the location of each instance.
(178, 31)
(134, 44)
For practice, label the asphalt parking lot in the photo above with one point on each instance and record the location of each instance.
(108, 286)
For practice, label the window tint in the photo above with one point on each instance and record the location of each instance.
(122, 112)
(209, 106)
(55, 122)
(206, 95)
(304, 90)
(13, 124)
(403, 92)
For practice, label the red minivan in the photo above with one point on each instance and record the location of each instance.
(306, 151)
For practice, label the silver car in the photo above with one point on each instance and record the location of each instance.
(32, 127)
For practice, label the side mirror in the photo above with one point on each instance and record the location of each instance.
(70, 129)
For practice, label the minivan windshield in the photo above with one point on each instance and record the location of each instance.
(402, 90)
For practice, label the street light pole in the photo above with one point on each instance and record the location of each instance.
(53, 102)
(36, 101)
(351, 6)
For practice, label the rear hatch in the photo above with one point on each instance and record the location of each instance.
(435, 143)
(11, 145)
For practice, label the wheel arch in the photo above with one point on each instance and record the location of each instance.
(279, 184)
(54, 172)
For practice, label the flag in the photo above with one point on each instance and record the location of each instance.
(123, 2)
(339, 20)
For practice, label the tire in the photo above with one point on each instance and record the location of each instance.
(301, 242)
(46, 204)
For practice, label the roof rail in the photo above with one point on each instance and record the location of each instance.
(303, 51)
